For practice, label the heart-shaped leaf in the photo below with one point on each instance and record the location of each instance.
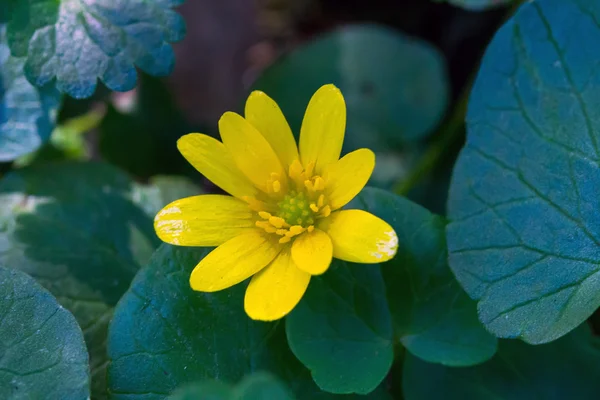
(27, 113)
(73, 227)
(565, 369)
(342, 329)
(525, 233)
(433, 317)
(42, 353)
(77, 42)
(164, 335)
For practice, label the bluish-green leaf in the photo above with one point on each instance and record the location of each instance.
(342, 329)
(73, 227)
(42, 353)
(258, 386)
(395, 86)
(566, 369)
(77, 42)
(27, 113)
(433, 317)
(525, 235)
(164, 335)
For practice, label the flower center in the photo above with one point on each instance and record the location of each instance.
(292, 207)
(295, 209)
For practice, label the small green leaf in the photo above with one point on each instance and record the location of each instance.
(342, 329)
(258, 386)
(27, 113)
(73, 227)
(433, 317)
(395, 86)
(77, 42)
(565, 369)
(525, 233)
(164, 335)
(42, 352)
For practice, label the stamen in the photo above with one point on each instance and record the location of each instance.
(326, 211)
(276, 186)
(310, 228)
(321, 201)
(296, 229)
(264, 214)
(319, 183)
(314, 207)
(309, 169)
(277, 222)
(309, 185)
(285, 239)
(281, 232)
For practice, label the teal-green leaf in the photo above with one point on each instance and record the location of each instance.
(258, 386)
(395, 86)
(433, 317)
(565, 369)
(42, 352)
(77, 42)
(73, 227)
(164, 335)
(342, 330)
(525, 233)
(27, 113)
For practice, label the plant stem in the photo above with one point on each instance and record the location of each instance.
(446, 135)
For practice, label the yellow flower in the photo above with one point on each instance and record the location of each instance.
(282, 223)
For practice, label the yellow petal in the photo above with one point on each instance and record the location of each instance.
(211, 159)
(233, 261)
(275, 290)
(266, 116)
(250, 150)
(312, 252)
(206, 220)
(359, 236)
(323, 126)
(346, 178)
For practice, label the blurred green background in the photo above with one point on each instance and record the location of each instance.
(404, 66)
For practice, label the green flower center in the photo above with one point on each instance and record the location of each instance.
(295, 209)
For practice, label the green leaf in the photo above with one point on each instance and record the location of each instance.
(342, 329)
(164, 335)
(565, 369)
(395, 86)
(73, 227)
(42, 352)
(525, 233)
(258, 386)
(27, 113)
(113, 36)
(67, 141)
(434, 319)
